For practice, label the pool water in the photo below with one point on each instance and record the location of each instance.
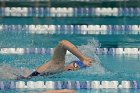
(107, 67)
(111, 67)
(24, 40)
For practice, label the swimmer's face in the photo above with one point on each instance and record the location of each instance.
(72, 66)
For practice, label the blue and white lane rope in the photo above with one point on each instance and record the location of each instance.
(103, 51)
(69, 84)
(68, 11)
(72, 29)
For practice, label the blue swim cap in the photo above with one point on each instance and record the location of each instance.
(80, 64)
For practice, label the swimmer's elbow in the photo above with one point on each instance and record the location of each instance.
(63, 42)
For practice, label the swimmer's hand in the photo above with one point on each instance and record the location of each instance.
(88, 61)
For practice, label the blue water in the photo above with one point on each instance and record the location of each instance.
(110, 67)
(23, 40)
(72, 20)
(117, 67)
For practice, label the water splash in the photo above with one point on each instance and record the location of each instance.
(89, 50)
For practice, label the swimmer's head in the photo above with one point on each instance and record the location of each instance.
(75, 65)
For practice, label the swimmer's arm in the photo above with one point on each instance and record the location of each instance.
(60, 91)
(38, 71)
(45, 66)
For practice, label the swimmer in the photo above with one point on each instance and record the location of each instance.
(57, 63)
(60, 91)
